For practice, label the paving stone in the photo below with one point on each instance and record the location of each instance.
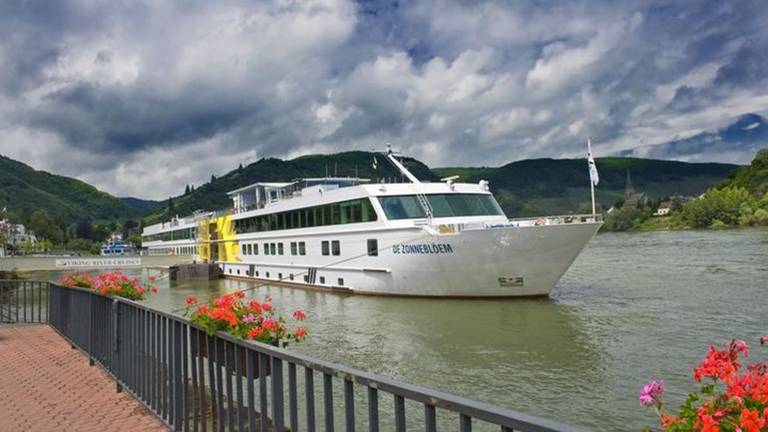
(47, 385)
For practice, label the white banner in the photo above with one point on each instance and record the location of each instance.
(98, 262)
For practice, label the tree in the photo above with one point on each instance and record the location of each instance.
(186, 190)
(761, 159)
(726, 205)
(171, 207)
(44, 227)
(84, 230)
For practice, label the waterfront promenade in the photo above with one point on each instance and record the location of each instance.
(47, 385)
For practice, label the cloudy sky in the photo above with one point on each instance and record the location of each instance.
(142, 97)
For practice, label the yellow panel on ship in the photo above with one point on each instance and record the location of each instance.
(217, 240)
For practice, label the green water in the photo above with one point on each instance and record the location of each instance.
(633, 307)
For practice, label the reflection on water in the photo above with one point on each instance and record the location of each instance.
(633, 307)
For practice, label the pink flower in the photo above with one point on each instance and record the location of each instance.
(269, 323)
(250, 318)
(764, 340)
(190, 300)
(740, 346)
(299, 315)
(651, 393)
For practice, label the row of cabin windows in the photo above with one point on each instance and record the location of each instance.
(344, 212)
(297, 248)
(339, 281)
(332, 247)
(180, 250)
(180, 234)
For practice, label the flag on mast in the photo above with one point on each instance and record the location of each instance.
(593, 176)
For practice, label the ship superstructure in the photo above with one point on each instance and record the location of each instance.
(445, 239)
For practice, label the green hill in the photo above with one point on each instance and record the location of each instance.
(753, 177)
(552, 186)
(213, 195)
(524, 188)
(24, 189)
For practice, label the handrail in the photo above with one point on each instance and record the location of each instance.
(152, 354)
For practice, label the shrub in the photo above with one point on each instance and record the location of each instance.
(717, 204)
(109, 284)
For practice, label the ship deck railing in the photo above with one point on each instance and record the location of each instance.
(197, 381)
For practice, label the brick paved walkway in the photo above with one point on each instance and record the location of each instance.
(45, 385)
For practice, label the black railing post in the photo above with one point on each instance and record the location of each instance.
(91, 326)
(116, 340)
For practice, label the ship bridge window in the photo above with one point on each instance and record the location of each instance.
(443, 205)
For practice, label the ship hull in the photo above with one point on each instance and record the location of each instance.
(503, 261)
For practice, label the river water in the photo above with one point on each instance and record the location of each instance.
(633, 307)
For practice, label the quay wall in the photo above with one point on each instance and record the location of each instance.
(91, 262)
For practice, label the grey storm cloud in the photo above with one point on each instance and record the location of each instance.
(141, 97)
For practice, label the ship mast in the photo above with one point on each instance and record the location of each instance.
(400, 166)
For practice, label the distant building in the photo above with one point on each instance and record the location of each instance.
(116, 236)
(632, 198)
(16, 234)
(663, 209)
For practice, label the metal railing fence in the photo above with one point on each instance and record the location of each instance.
(23, 301)
(199, 382)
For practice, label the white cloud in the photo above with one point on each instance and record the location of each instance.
(167, 93)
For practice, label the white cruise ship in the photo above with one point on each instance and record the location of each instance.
(441, 239)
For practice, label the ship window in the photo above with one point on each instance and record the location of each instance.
(280, 276)
(324, 247)
(279, 248)
(291, 276)
(257, 273)
(294, 249)
(306, 278)
(255, 248)
(341, 282)
(402, 207)
(344, 212)
(238, 271)
(230, 271)
(272, 249)
(250, 249)
(302, 248)
(373, 247)
(443, 205)
(335, 247)
(322, 279)
(266, 248)
(267, 274)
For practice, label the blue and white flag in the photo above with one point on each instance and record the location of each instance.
(593, 176)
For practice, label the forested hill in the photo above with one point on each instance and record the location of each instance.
(213, 195)
(547, 186)
(753, 177)
(24, 190)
